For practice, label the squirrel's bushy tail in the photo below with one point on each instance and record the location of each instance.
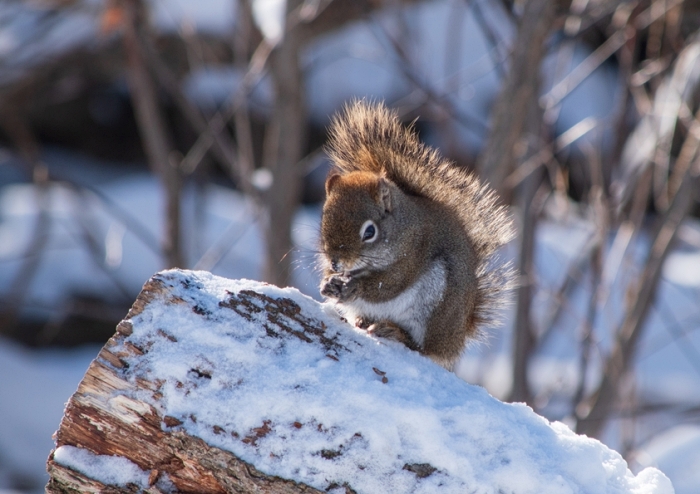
(369, 137)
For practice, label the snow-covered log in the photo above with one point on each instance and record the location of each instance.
(213, 385)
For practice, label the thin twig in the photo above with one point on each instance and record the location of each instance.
(28, 147)
(491, 37)
(683, 342)
(503, 147)
(415, 78)
(226, 242)
(599, 206)
(616, 41)
(547, 151)
(92, 244)
(218, 121)
(223, 147)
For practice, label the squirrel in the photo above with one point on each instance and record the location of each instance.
(408, 239)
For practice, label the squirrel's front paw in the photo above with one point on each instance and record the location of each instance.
(339, 287)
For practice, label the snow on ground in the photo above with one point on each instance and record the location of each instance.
(337, 421)
(208, 16)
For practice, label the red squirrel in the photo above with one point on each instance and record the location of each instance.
(408, 239)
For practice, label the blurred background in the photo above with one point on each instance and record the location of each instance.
(137, 135)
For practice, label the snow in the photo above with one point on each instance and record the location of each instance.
(269, 15)
(110, 470)
(354, 61)
(329, 421)
(664, 370)
(683, 268)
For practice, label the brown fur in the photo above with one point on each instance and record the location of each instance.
(432, 218)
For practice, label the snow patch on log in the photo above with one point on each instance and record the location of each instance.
(109, 470)
(284, 384)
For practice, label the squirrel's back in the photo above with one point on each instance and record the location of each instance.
(369, 137)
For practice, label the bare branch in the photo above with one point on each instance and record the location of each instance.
(630, 331)
(683, 342)
(497, 46)
(419, 82)
(603, 52)
(17, 127)
(217, 123)
(520, 87)
(546, 153)
(152, 128)
(524, 337)
(285, 138)
(223, 147)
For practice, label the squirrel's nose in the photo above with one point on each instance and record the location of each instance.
(335, 265)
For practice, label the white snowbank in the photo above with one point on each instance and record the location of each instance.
(329, 421)
(683, 268)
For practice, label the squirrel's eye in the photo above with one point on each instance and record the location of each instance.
(368, 232)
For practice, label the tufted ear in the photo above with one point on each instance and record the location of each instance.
(332, 179)
(384, 194)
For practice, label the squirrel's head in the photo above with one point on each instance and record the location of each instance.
(357, 226)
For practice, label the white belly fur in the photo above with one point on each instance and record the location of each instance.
(411, 309)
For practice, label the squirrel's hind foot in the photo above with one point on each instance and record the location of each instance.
(391, 331)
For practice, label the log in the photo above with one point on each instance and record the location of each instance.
(104, 417)
(220, 386)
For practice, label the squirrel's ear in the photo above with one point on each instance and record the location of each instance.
(332, 178)
(384, 198)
